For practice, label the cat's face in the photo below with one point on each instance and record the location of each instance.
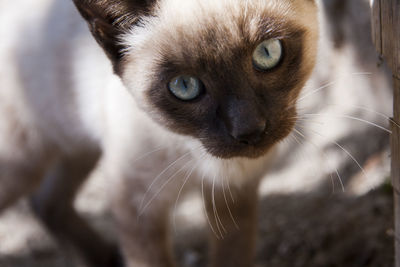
(225, 72)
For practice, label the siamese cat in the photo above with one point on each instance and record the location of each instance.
(192, 92)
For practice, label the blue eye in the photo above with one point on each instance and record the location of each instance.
(185, 87)
(268, 54)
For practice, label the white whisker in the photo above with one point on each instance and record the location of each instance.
(158, 177)
(316, 90)
(294, 136)
(205, 209)
(308, 120)
(150, 152)
(344, 150)
(230, 191)
(216, 216)
(186, 179)
(369, 110)
(307, 94)
(162, 187)
(227, 204)
(326, 157)
(351, 118)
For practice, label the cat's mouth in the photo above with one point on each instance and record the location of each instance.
(232, 148)
(245, 141)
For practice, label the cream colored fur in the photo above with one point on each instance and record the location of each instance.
(59, 97)
(144, 44)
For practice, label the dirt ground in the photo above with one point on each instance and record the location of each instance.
(319, 231)
(296, 230)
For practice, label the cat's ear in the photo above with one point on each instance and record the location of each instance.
(108, 19)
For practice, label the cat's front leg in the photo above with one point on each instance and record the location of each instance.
(143, 228)
(232, 214)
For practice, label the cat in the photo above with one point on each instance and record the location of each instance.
(192, 91)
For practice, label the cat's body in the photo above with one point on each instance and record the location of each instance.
(64, 109)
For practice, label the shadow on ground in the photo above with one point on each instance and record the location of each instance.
(316, 230)
(296, 230)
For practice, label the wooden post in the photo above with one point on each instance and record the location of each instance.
(395, 142)
(386, 35)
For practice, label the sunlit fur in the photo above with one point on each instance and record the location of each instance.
(64, 103)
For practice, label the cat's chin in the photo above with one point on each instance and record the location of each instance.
(227, 147)
(239, 150)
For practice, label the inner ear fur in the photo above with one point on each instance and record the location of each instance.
(108, 19)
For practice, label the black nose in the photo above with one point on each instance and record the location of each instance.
(243, 120)
(249, 132)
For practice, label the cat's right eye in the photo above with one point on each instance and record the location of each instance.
(186, 87)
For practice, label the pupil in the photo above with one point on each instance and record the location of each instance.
(184, 83)
(266, 51)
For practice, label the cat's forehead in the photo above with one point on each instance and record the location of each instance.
(196, 13)
(192, 10)
(177, 24)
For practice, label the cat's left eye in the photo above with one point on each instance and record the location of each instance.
(185, 87)
(268, 54)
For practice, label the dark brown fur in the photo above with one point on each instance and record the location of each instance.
(107, 20)
(237, 97)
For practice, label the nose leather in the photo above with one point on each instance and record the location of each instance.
(250, 135)
(245, 122)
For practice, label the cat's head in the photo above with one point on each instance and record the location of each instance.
(227, 72)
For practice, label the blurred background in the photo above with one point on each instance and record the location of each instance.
(328, 199)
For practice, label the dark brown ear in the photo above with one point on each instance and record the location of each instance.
(108, 19)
